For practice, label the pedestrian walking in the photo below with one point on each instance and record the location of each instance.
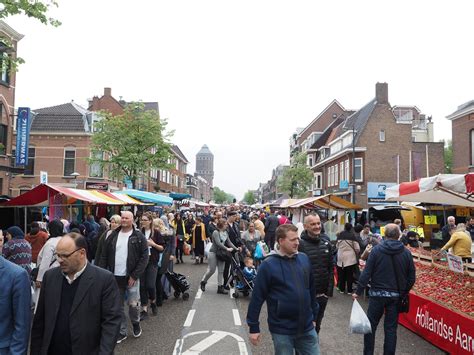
(199, 236)
(317, 246)
(125, 254)
(17, 249)
(391, 273)
(347, 258)
(15, 308)
(114, 224)
(220, 240)
(285, 282)
(79, 305)
(250, 238)
(180, 230)
(148, 278)
(37, 239)
(271, 224)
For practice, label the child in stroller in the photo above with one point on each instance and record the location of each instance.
(245, 285)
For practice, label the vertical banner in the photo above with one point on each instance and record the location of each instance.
(22, 136)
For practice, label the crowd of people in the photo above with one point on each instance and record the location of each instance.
(100, 267)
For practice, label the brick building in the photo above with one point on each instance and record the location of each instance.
(60, 138)
(7, 106)
(373, 148)
(160, 180)
(462, 123)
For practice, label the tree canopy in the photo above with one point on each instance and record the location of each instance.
(448, 156)
(220, 196)
(132, 143)
(296, 179)
(249, 198)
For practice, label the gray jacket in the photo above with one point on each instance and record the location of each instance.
(217, 243)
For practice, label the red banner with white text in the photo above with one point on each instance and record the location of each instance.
(444, 328)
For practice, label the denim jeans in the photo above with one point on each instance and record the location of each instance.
(132, 295)
(304, 344)
(322, 301)
(377, 307)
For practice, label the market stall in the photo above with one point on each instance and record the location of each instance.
(442, 300)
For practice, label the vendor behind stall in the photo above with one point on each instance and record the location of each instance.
(460, 241)
(411, 239)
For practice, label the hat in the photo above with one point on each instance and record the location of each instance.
(16, 232)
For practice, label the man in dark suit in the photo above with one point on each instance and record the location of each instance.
(79, 308)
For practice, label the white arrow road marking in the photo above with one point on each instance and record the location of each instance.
(189, 318)
(206, 343)
(198, 294)
(236, 315)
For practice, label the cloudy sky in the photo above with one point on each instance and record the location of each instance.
(241, 76)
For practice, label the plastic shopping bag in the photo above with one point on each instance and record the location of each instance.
(207, 248)
(359, 323)
(258, 254)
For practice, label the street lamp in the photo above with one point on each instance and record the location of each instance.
(75, 175)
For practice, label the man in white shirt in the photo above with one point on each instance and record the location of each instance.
(126, 256)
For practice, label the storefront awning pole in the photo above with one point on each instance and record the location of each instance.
(25, 219)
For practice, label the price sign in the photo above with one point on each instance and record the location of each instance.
(382, 231)
(455, 263)
(462, 212)
(431, 219)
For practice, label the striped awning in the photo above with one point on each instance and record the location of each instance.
(328, 201)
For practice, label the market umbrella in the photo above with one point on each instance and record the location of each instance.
(443, 189)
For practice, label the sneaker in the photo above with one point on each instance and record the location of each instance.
(143, 315)
(121, 338)
(203, 286)
(154, 309)
(137, 330)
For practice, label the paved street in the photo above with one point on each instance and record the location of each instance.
(208, 324)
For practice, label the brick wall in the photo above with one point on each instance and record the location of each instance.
(461, 131)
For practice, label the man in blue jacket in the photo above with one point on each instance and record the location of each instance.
(386, 262)
(286, 283)
(15, 308)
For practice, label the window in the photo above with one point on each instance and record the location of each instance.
(346, 169)
(96, 169)
(318, 181)
(310, 161)
(336, 175)
(382, 135)
(341, 169)
(358, 176)
(5, 68)
(472, 146)
(69, 161)
(328, 175)
(30, 168)
(3, 138)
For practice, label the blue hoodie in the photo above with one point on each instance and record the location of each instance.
(379, 268)
(287, 285)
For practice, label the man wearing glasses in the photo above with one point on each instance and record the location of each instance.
(125, 254)
(79, 308)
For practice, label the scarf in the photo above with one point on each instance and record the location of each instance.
(203, 234)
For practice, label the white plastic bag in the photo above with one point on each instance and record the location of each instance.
(207, 248)
(359, 323)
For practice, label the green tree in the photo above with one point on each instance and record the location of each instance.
(220, 196)
(249, 198)
(33, 9)
(448, 156)
(132, 143)
(296, 179)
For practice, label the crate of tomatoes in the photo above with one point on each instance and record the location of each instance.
(451, 290)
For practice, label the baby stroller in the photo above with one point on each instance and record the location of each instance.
(242, 285)
(179, 283)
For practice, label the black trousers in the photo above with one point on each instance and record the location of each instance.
(180, 250)
(322, 301)
(270, 239)
(346, 278)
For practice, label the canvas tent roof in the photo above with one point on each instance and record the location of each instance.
(149, 197)
(328, 201)
(41, 194)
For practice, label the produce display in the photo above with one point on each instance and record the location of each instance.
(449, 289)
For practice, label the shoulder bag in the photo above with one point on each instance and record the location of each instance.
(404, 298)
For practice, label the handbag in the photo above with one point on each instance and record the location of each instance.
(222, 255)
(404, 298)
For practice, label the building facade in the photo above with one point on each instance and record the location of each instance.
(7, 105)
(60, 138)
(171, 180)
(360, 155)
(462, 123)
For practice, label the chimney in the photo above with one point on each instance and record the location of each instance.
(381, 93)
(107, 92)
